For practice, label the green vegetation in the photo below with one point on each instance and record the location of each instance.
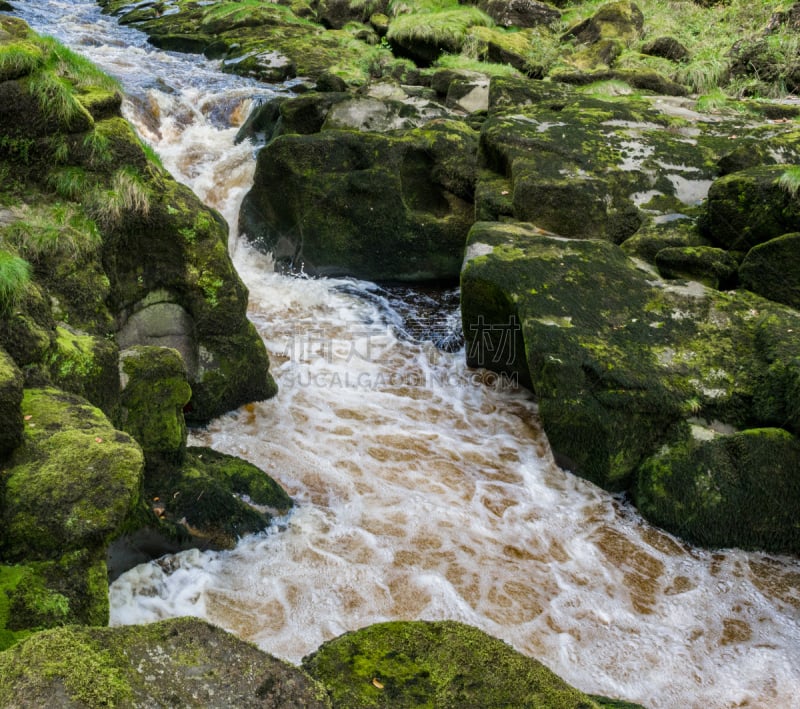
(790, 180)
(442, 28)
(52, 230)
(15, 274)
(127, 195)
(467, 63)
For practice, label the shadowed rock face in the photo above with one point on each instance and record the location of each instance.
(182, 662)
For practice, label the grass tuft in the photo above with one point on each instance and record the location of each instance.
(128, 195)
(15, 274)
(52, 230)
(790, 181)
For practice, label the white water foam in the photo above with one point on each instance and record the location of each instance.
(423, 493)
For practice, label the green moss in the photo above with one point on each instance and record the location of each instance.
(46, 594)
(72, 482)
(242, 478)
(88, 673)
(19, 59)
(10, 577)
(196, 664)
(152, 401)
(52, 229)
(730, 490)
(86, 365)
(442, 664)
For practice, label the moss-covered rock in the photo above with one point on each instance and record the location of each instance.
(181, 662)
(667, 48)
(618, 358)
(713, 267)
(740, 489)
(48, 594)
(585, 167)
(772, 269)
(621, 20)
(214, 498)
(85, 365)
(520, 13)
(749, 207)
(10, 400)
(675, 231)
(380, 206)
(72, 482)
(426, 31)
(154, 392)
(434, 664)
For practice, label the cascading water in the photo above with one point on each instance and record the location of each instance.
(424, 492)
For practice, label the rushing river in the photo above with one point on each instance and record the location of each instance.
(423, 491)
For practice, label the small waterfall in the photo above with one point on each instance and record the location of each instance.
(425, 490)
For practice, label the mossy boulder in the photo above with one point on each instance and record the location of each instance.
(379, 206)
(10, 401)
(763, 62)
(674, 231)
(85, 365)
(187, 295)
(154, 392)
(749, 207)
(622, 21)
(520, 13)
(48, 594)
(586, 167)
(316, 111)
(740, 489)
(666, 48)
(180, 662)
(72, 482)
(713, 267)
(618, 358)
(214, 498)
(424, 33)
(434, 664)
(772, 269)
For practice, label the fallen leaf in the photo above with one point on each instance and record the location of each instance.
(377, 683)
(98, 440)
(28, 417)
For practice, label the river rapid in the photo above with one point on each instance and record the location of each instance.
(424, 489)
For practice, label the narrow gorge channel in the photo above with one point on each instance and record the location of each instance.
(423, 491)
